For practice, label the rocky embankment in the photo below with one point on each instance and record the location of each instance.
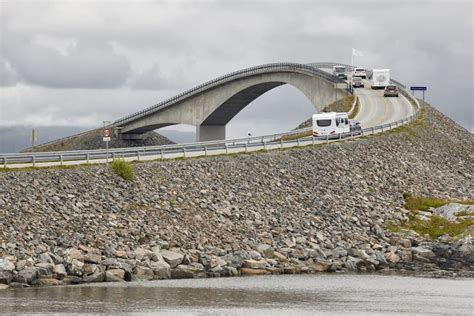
(315, 209)
(93, 140)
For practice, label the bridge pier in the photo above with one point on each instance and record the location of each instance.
(210, 132)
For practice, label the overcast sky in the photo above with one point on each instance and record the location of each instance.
(77, 63)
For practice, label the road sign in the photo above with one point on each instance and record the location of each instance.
(418, 88)
(106, 132)
(106, 139)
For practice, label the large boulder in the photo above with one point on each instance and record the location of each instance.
(143, 273)
(452, 210)
(115, 275)
(265, 250)
(161, 270)
(27, 275)
(6, 271)
(193, 270)
(173, 258)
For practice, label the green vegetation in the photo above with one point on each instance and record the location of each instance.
(123, 169)
(436, 226)
(419, 203)
(342, 105)
(63, 167)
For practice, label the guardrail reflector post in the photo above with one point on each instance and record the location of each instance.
(61, 160)
(226, 149)
(327, 139)
(87, 158)
(246, 147)
(161, 153)
(184, 152)
(34, 161)
(205, 150)
(138, 155)
(4, 162)
(298, 141)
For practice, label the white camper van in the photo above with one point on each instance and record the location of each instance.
(331, 123)
(380, 78)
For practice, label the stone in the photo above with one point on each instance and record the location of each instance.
(255, 255)
(352, 263)
(280, 257)
(265, 250)
(27, 275)
(44, 269)
(161, 270)
(392, 257)
(450, 211)
(45, 257)
(46, 282)
(172, 258)
(4, 286)
(249, 271)
(6, 271)
(422, 253)
(93, 258)
(114, 275)
(316, 252)
(74, 267)
(74, 253)
(121, 254)
(142, 253)
(97, 276)
(60, 271)
(254, 264)
(193, 270)
(143, 273)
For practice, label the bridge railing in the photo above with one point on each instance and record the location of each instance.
(247, 144)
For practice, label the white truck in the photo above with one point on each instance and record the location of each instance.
(380, 78)
(330, 124)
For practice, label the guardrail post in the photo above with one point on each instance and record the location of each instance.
(389, 125)
(4, 162)
(312, 140)
(113, 156)
(381, 127)
(184, 152)
(373, 131)
(60, 160)
(138, 155)
(327, 139)
(264, 145)
(205, 150)
(87, 158)
(281, 142)
(298, 142)
(226, 149)
(161, 153)
(33, 160)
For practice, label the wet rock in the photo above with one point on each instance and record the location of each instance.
(250, 271)
(193, 270)
(4, 286)
(114, 275)
(254, 264)
(60, 271)
(27, 275)
(143, 273)
(161, 270)
(6, 271)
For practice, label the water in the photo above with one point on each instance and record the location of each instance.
(273, 295)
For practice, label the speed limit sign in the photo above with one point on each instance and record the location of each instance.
(106, 133)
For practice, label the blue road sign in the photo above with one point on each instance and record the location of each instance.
(418, 88)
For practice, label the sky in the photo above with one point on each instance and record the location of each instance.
(79, 63)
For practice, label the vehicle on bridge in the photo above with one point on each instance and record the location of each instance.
(339, 71)
(330, 124)
(391, 91)
(357, 82)
(380, 78)
(359, 72)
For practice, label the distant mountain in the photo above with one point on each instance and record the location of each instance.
(15, 138)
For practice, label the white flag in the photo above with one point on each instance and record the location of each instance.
(356, 52)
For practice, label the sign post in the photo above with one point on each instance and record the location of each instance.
(418, 88)
(33, 139)
(106, 135)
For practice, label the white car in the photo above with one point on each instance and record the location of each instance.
(359, 72)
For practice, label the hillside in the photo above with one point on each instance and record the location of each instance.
(324, 208)
(93, 140)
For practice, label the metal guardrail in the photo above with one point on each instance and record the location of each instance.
(182, 150)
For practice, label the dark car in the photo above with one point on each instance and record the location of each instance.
(355, 128)
(391, 91)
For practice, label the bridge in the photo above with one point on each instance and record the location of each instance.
(212, 105)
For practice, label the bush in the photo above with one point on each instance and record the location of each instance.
(123, 169)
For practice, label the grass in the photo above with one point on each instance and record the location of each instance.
(420, 203)
(123, 169)
(436, 226)
(63, 167)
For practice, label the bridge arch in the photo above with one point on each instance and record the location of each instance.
(212, 108)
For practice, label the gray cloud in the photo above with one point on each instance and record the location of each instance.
(8, 76)
(125, 57)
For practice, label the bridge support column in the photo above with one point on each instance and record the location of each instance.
(210, 132)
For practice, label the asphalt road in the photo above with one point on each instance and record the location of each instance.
(375, 109)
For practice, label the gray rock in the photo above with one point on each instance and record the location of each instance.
(6, 271)
(451, 210)
(194, 270)
(141, 273)
(60, 271)
(172, 258)
(161, 270)
(265, 250)
(115, 275)
(27, 275)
